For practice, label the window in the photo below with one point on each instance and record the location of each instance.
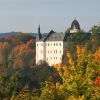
(56, 51)
(48, 51)
(37, 45)
(48, 44)
(54, 44)
(54, 57)
(60, 44)
(60, 51)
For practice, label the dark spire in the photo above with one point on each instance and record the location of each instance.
(75, 24)
(39, 33)
(39, 29)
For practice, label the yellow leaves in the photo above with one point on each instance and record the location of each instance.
(97, 54)
(3, 45)
(70, 57)
(81, 53)
(26, 95)
(65, 71)
(78, 79)
(58, 85)
(62, 70)
(78, 98)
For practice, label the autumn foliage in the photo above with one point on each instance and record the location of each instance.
(80, 78)
(19, 50)
(76, 78)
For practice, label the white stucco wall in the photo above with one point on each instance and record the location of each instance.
(39, 51)
(54, 52)
(73, 31)
(50, 51)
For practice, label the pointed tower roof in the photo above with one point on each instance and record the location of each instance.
(39, 33)
(75, 24)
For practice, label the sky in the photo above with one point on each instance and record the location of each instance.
(26, 15)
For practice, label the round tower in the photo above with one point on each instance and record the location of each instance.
(75, 26)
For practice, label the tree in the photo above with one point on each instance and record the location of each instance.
(27, 95)
(80, 78)
(8, 83)
(95, 29)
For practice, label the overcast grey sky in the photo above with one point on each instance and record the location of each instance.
(26, 15)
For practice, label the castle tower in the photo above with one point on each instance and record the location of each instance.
(39, 33)
(75, 26)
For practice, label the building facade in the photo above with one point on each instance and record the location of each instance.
(52, 47)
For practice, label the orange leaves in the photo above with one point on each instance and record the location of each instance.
(23, 54)
(97, 54)
(22, 49)
(19, 48)
(9, 38)
(58, 65)
(97, 81)
(18, 54)
(78, 48)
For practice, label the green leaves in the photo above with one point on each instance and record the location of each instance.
(95, 29)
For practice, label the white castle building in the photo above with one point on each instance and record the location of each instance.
(51, 47)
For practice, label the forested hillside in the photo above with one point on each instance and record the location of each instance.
(76, 78)
(17, 65)
(3, 35)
